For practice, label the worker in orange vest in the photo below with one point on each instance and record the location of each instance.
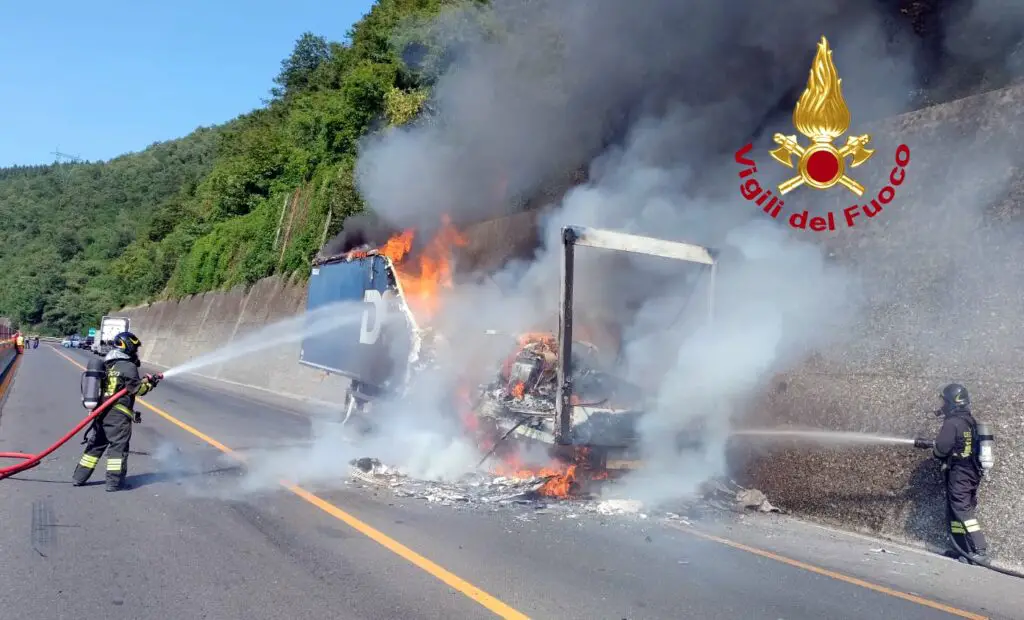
(19, 341)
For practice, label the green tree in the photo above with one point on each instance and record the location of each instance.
(298, 69)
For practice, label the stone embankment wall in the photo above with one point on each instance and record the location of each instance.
(940, 269)
(942, 300)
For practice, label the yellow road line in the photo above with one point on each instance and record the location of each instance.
(492, 603)
(447, 577)
(829, 573)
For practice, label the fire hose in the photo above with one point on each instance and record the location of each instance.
(31, 460)
(974, 558)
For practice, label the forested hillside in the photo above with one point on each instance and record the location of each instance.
(237, 202)
(223, 206)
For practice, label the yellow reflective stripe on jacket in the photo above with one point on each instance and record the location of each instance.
(111, 388)
(968, 444)
(125, 410)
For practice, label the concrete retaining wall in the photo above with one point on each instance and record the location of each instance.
(944, 297)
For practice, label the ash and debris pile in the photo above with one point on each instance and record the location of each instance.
(488, 490)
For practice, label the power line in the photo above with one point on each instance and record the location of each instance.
(68, 159)
(63, 170)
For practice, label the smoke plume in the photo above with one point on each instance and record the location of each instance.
(651, 99)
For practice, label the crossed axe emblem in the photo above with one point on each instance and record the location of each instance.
(855, 148)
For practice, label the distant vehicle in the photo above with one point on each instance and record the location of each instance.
(110, 326)
(70, 342)
(86, 343)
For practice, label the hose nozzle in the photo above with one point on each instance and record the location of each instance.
(924, 444)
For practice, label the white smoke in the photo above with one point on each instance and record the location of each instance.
(652, 99)
(656, 98)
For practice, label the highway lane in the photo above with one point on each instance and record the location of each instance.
(191, 551)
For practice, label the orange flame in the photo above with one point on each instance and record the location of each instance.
(519, 390)
(423, 279)
(561, 478)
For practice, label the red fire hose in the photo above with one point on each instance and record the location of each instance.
(31, 460)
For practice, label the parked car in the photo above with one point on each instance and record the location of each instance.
(70, 342)
(86, 343)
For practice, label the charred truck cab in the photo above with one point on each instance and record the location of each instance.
(551, 389)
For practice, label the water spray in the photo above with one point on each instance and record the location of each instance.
(827, 437)
(293, 329)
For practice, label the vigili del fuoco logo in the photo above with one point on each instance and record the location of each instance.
(821, 116)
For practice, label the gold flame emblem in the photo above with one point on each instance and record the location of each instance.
(822, 116)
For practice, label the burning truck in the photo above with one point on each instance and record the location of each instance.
(552, 389)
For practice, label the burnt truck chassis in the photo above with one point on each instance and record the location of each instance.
(606, 443)
(602, 453)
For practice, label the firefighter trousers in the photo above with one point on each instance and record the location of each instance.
(113, 433)
(961, 508)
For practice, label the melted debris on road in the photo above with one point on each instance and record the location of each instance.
(483, 490)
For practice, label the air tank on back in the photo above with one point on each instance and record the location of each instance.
(986, 443)
(92, 383)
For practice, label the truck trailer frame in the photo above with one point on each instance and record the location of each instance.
(573, 236)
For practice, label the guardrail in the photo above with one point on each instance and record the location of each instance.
(8, 355)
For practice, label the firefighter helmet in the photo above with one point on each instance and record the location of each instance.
(127, 342)
(955, 396)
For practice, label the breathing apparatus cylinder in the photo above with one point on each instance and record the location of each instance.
(986, 445)
(92, 383)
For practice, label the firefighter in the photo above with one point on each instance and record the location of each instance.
(112, 430)
(19, 341)
(956, 447)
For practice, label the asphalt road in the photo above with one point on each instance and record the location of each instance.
(178, 545)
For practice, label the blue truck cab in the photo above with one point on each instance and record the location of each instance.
(374, 352)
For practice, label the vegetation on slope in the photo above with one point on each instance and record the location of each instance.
(230, 204)
(221, 207)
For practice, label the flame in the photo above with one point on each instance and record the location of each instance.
(561, 478)
(519, 390)
(545, 338)
(821, 114)
(423, 279)
(398, 246)
(564, 480)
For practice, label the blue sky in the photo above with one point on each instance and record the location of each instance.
(101, 79)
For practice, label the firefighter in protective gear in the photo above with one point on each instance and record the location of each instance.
(956, 446)
(112, 430)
